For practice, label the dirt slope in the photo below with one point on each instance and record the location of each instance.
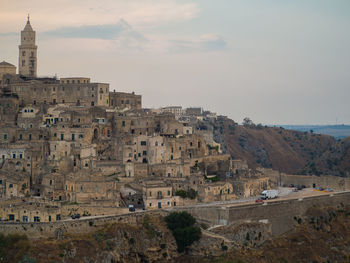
(284, 150)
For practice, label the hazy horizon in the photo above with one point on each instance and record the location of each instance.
(276, 62)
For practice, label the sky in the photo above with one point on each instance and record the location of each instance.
(274, 61)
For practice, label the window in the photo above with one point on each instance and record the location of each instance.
(0, 181)
(5, 136)
(23, 63)
(123, 123)
(143, 143)
(144, 153)
(20, 156)
(23, 53)
(168, 192)
(150, 193)
(36, 218)
(11, 186)
(62, 136)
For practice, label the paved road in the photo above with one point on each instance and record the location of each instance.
(285, 193)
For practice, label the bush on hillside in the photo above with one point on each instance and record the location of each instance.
(182, 225)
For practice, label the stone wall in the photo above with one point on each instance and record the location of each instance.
(279, 213)
(334, 182)
(75, 227)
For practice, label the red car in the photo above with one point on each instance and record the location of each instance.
(259, 200)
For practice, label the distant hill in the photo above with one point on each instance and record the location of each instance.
(288, 151)
(337, 131)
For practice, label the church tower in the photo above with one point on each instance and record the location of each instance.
(27, 64)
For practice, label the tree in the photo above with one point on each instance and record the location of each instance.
(247, 122)
(182, 226)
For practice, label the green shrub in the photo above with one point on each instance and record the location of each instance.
(182, 226)
(14, 247)
(192, 194)
(181, 193)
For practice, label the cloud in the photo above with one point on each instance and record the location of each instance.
(209, 42)
(9, 34)
(48, 15)
(106, 32)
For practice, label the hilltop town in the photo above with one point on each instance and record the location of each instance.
(70, 146)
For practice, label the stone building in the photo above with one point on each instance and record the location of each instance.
(14, 185)
(84, 188)
(27, 64)
(123, 100)
(6, 69)
(218, 191)
(157, 194)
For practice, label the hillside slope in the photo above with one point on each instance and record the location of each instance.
(284, 150)
(335, 161)
(322, 235)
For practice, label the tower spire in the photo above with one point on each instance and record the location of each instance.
(28, 19)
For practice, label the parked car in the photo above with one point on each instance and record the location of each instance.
(131, 208)
(76, 216)
(259, 200)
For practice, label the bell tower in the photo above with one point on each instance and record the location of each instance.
(27, 64)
